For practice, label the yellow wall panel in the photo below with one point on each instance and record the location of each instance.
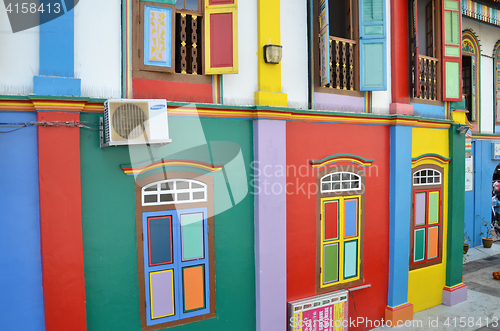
(427, 141)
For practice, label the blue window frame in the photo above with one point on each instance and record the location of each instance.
(176, 264)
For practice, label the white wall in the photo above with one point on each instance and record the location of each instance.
(238, 89)
(488, 35)
(98, 61)
(382, 99)
(294, 65)
(19, 58)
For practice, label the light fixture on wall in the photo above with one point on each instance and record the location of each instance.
(273, 53)
(462, 129)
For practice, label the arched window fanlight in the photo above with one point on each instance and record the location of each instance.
(174, 191)
(426, 177)
(340, 181)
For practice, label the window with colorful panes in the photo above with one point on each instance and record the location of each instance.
(427, 217)
(340, 229)
(189, 37)
(175, 248)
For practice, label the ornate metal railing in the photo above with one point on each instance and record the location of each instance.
(428, 69)
(187, 56)
(342, 71)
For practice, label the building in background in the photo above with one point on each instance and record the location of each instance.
(334, 167)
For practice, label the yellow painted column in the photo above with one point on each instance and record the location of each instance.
(268, 25)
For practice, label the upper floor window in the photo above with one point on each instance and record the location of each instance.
(470, 74)
(352, 44)
(496, 75)
(435, 50)
(189, 37)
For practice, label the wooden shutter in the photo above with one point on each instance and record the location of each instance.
(221, 37)
(415, 50)
(324, 42)
(372, 45)
(452, 51)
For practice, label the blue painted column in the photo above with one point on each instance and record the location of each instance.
(57, 57)
(398, 307)
(270, 224)
(21, 295)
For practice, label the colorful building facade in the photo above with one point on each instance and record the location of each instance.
(336, 169)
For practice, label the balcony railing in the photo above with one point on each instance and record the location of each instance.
(187, 56)
(427, 80)
(342, 72)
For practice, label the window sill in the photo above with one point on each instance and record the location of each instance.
(427, 102)
(172, 77)
(319, 89)
(341, 286)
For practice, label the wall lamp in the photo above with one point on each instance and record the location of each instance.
(273, 53)
(462, 129)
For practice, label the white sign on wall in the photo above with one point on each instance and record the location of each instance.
(469, 171)
(495, 151)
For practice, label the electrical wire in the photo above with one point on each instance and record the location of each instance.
(69, 124)
(354, 304)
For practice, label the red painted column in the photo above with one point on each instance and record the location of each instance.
(61, 223)
(400, 59)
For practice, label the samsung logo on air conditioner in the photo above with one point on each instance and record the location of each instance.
(157, 107)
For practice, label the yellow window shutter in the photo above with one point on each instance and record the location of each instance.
(221, 37)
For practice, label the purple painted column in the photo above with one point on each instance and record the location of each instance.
(270, 223)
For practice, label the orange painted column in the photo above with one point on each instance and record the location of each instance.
(61, 223)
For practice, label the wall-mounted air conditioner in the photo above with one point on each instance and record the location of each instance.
(135, 122)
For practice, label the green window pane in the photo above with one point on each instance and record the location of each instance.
(330, 263)
(452, 80)
(433, 207)
(192, 236)
(350, 259)
(419, 245)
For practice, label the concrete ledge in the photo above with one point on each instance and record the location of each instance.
(274, 99)
(454, 295)
(60, 86)
(395, 316)
(400, 109)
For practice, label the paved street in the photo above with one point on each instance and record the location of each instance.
(481, 311)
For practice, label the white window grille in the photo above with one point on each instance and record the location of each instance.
(174, 191)
(340, 181)
(426, 177)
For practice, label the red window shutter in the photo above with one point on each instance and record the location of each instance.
(415, 50)
(221, 37)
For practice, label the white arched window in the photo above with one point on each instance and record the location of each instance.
(426, 177)
(174, 191)
(340, 181)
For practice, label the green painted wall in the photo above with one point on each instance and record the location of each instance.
(109, 238)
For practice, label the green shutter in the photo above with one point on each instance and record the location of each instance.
(372, 45)
(452, 51)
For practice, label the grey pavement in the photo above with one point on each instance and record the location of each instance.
(481, 311)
